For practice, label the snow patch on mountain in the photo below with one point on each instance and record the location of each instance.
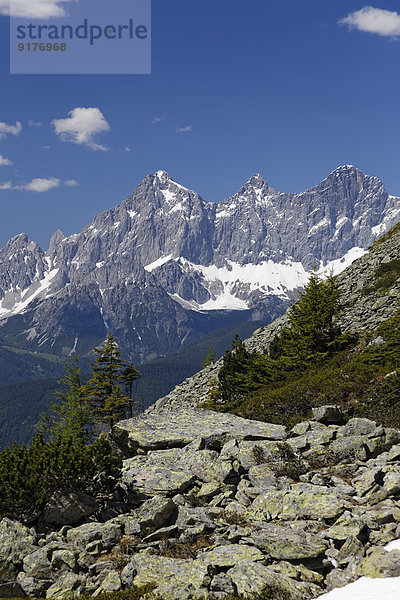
(158, 263)
(15, 301)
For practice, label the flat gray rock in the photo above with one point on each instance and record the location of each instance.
(176, 428)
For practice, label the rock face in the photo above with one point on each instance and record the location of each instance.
(213, 506)
(151, 268)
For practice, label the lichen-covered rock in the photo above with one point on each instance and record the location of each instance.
(111, 583)
(67, 585)
(179, 427)
(15, 542)
(347, 525)
(174, 578)
(288, 543)
(152, 479)
(33, 587)
(230, 555)
(380, 563)
(312, 502)
(156, 512)
(37, 564)
(107, 534)
(252, 578)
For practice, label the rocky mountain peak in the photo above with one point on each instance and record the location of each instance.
(56, 239)
(162, 176)
(256, 181)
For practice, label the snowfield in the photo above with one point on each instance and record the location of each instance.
(369, 589)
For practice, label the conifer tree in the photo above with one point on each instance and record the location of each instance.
(128, 377)
(209, 359)
(70, 415)
(103, 389)
(312, 331)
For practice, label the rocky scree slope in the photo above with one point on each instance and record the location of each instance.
(153, 268)
(212, 506)
(365, 305)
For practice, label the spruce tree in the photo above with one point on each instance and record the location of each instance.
(209, 359)
(128, 377)
(312, 331)
(70, 415)
(103, 389)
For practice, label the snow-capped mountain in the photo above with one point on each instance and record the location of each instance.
(165, 263)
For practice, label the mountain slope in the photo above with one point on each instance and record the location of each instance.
(370, 296)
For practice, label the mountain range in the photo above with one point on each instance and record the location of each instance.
(165, 266)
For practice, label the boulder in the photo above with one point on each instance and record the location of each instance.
(177, 428)
(230, 555)
(66, 586)
(68, 507)
(380, 563)
(288, 543)
(156, 512)
(173, 578)
(15, 541)
(107, 534)
(330, 415)
(312, 502)
(32, 586)
(151, 480)
(111, 583)
(252, 579)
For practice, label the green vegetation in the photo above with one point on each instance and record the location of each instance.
(23, 401)
(103, 390)
(386, 276)
(209, 358)
(29, 476)
(70, 415)
(312, 363)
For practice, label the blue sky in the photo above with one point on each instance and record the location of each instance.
(237, 87)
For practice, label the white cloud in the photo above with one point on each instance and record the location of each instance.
(33, 9)
(127, 149)
(39, 184)
(81, 126)
(5, 162)
(34, 123)
(157, 120)
(374, 20)
(6, 129)
(186, 129)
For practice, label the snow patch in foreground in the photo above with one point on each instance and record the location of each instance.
(369, 589)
